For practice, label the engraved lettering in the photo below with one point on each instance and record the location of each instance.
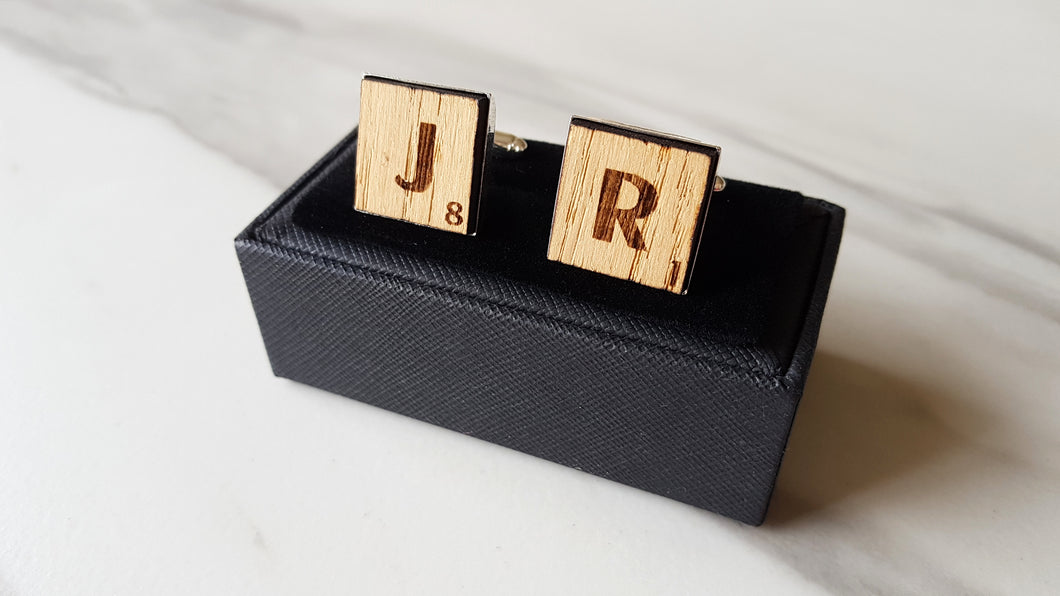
(671, 278)
(608, 214)
(452, 214)
(424, 170)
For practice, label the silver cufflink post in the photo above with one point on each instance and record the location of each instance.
(508, 142)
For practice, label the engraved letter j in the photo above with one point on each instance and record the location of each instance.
(424, 171)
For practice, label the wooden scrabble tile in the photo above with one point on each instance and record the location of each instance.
(421, 152)
(631, 203)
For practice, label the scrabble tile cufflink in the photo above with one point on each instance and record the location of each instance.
(421, 153)
(631, 203)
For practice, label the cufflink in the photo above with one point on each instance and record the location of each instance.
(631, 203)
(421, 153)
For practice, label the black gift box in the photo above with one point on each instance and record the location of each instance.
(691, 397)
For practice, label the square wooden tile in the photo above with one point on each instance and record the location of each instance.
(631, 203)
(420, 153)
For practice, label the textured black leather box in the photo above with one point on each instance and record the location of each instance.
(691, 397)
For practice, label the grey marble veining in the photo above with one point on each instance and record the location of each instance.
(925, 457)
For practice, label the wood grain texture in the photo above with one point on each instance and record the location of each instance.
(631, 203)
(420, 153)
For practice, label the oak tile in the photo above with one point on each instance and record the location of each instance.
(631, 203)
(420, 153)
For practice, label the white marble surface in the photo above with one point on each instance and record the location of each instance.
(146, 449)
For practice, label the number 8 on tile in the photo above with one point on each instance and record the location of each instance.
(421, 152)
